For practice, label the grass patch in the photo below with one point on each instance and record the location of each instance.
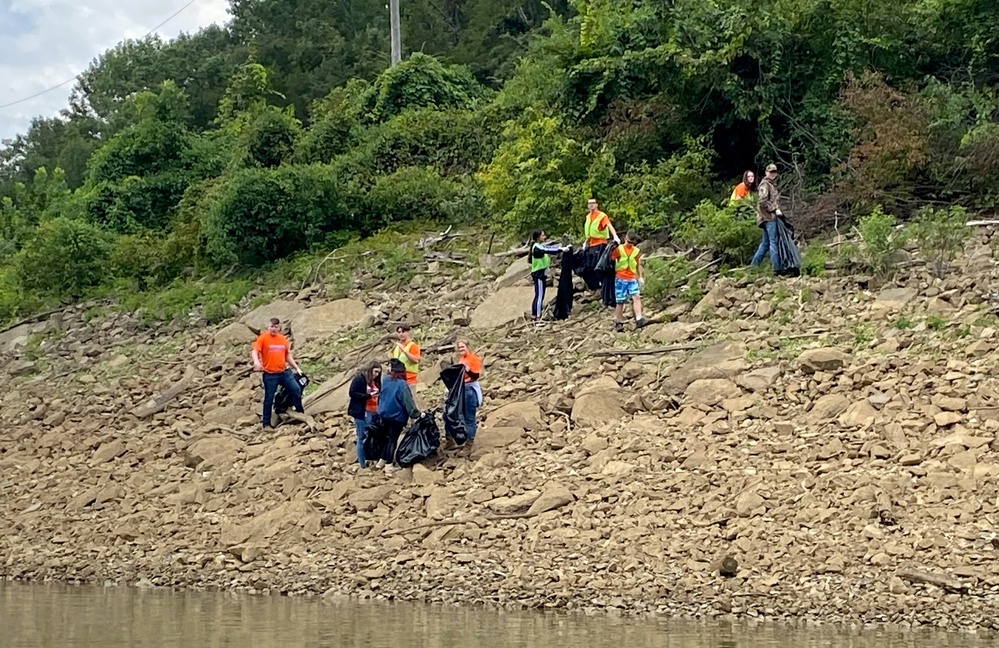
(936, 323)
(213, 300)
(903, 323)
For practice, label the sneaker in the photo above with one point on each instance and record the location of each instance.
(619, 327)
(380, 464)
(641, 323)
(391, 469)
(540, 323)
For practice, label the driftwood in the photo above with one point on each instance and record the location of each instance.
(161, 401)
(38, 317)
(494, 517)
(942, 581)
(515, 252)
(652, 351)
(431, 241)
(443, 258)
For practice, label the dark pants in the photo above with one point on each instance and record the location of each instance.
(287, 380)
(539, 278)
(394, 429)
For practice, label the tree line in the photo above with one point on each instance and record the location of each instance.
(285, 130)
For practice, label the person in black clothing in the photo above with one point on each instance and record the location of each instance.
(540, 261)
(363, 393)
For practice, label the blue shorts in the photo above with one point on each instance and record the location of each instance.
(625, 289)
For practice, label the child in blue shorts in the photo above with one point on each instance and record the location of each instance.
(628, 281)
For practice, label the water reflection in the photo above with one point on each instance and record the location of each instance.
(40, 616)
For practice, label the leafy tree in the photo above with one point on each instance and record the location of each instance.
(64, 259)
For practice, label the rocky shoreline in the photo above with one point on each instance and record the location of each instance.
(839, 444)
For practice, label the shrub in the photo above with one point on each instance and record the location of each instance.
(269, 138)
(730, 231)
(135, 202)
(880, 244)
(940, 235)
(411, 192)
(664, 276)
(813, 261)
(261, 215)
(65, 258)
(145, 148)
(535, 179)
(421, 81)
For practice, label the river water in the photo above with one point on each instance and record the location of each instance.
(41, 616)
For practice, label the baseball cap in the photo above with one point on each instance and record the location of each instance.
(772, 167)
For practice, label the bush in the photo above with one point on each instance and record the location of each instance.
(268, 139)
(730, 231)
(664, 276)
(145, 148)
(535, 179)
(880, 244)
(135, 203)
(411, 192)
(940, 235)
(65, 258)
(421, 81)
(813, 261)
(261, 215)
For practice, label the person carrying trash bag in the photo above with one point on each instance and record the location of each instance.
(473, 389)
(395, 408)
(454, 405)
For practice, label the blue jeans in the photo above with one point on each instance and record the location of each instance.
(471, 405)
(361, 425)
(767, 245)
(287, 380)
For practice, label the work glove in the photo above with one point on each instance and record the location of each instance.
(617, 239)
(779, 213)
(641, 282)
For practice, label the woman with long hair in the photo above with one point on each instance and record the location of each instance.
(363, 404)
(744, 188)
(473, 390)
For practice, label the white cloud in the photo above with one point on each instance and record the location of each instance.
(45, 42)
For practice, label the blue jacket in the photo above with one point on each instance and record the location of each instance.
(395, 402)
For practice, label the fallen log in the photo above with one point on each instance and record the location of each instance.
(944, 582)
(652, 351)
(161, 401)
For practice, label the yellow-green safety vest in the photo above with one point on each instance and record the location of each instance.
(411, 367)
(592, 227)
(539, 263)
(627, 260)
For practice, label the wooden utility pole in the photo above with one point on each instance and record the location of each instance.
(396, 34)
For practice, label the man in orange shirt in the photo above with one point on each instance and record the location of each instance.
(627, 281)
(271, 356)
(597, 228)
(407, 352)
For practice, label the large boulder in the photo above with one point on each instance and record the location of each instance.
(320, 322)
(711, 391)
(19, 335)
(525, 415)
(599, 401)
(519, 272)
(825, 359)
(331, 396)
(504, 306)
(894, 298)
(723, 360)
(260, 317)
(235, 333)
(829, 406)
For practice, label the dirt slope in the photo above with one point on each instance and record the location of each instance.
(838, 443)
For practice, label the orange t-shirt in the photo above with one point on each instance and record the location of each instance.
(616, 254)
(371, 405)
(602, 224)
(740, 191)
(472, 363)
(273, 350)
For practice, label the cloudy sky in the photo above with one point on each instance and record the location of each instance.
(45, 42)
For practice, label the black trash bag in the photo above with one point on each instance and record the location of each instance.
(585, 263)
(420, 441)
(376, 438)
(454, 405)
(605, 259)
(563, 298)
(788, 261)
(282, 397)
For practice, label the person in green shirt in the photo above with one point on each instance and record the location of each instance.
(541, 261)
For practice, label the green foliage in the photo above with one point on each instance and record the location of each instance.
(881, 244)
(813, 260)
(664, 277)
(940, 235)
(656, 199)
(268, 139)
(65, 258)
(903, 323)
(421, 81)
(730, 231)
(412, 192)
(261, 215)
(212, 300)
(535, 179)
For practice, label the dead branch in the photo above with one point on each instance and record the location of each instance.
(161, 401)
(443, 258)
(428, 242)
(702, 269)
(942, 581)
(517, 252)
(651, 351)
